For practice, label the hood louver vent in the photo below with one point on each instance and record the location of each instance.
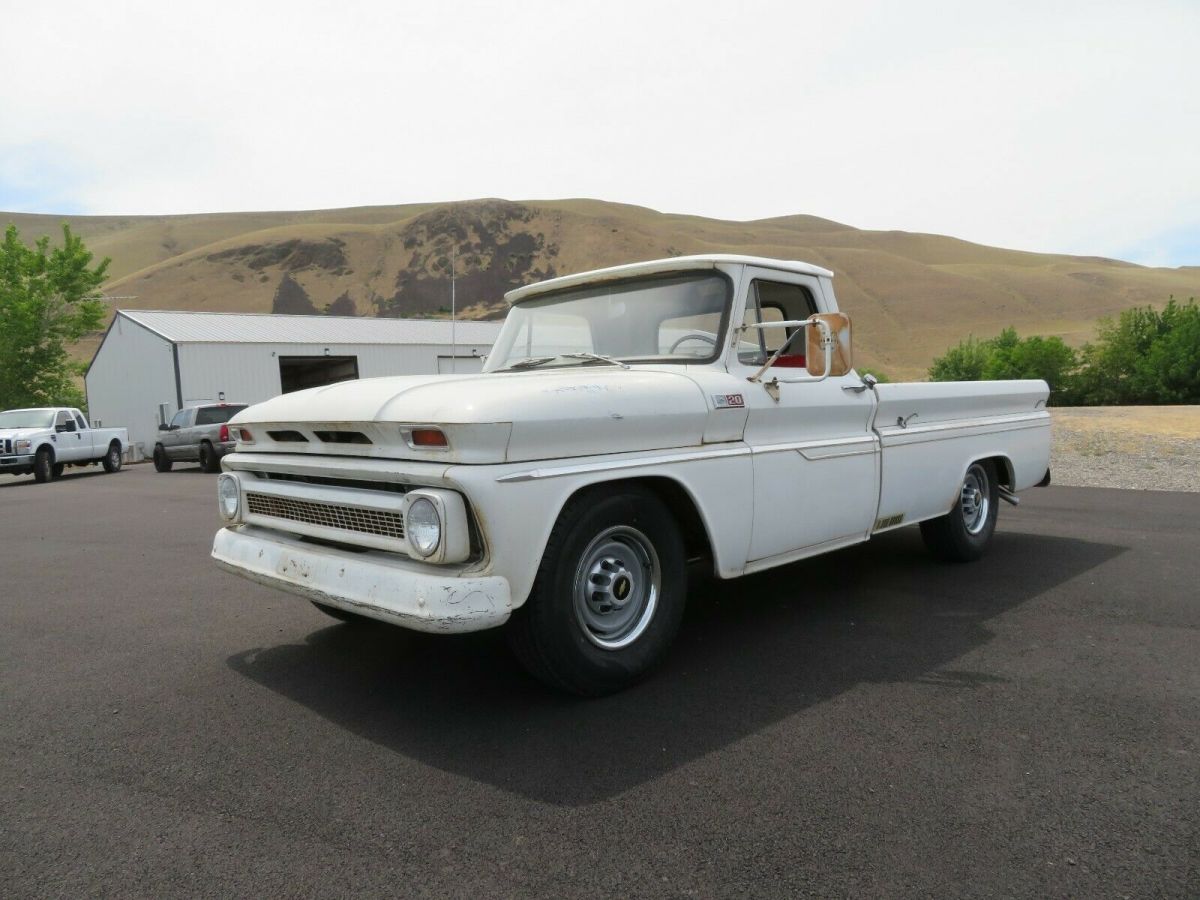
(343, 437)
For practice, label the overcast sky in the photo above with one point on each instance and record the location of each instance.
(1057, 126)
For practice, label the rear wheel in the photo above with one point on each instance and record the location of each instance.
(161, 462)
(112, 459)
(209, 461)
(963, 534)
(43, 466)
(609, 594)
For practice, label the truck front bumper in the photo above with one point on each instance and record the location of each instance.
(16, 462)
(375, 584)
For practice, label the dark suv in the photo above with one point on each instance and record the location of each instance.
(196, 434)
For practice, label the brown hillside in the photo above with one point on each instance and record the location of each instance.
(911, 295)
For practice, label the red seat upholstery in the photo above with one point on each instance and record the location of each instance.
(791, 361)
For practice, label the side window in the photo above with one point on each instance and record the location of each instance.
(79, 421)
(181, 417)
(773, 301)
(64, 422)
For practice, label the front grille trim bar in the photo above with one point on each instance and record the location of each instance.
(328, 516)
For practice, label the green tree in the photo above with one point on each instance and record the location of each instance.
(1144, 356)
(964, 362)
(47, 302)
(1009, 356)
(1047, 358)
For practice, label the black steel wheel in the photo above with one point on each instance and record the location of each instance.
(209, 461)
(44, 467)
(963, 534)
(162, 463)
(112, 459)
(609, 594)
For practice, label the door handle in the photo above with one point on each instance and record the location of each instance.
(868, 381)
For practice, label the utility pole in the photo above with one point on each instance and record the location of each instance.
(453, 345)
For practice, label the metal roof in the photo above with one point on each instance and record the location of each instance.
(660, 266)
(262, 328)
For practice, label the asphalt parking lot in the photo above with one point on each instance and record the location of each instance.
(871, 723)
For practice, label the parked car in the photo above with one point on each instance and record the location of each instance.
(196, 434)
(628, 420)
(45, 440)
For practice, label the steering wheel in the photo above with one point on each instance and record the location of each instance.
(694, 336)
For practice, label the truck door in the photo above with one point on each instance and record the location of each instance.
(89, 439)
(816, 478)
(68, 439)
(172, 439)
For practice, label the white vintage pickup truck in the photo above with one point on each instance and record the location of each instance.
(44, 440)
(628, 421)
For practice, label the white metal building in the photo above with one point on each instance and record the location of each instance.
(150, 364)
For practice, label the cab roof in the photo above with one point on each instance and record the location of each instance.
(661, 266)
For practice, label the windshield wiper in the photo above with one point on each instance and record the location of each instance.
(528, 363)
(598, 358)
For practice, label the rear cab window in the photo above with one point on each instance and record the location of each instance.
(217, 415)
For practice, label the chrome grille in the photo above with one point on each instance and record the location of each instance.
(382, 522)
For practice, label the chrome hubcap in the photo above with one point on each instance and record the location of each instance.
(975, 499)
(617, 584)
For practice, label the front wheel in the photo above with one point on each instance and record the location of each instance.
(609, 595)
(112, 459)
(162, 462)
(59, 468)
(44, 467)
(963, 534)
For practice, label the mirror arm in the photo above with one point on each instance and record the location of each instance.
(826, 340)
(799, 326)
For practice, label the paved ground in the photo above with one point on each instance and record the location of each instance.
(868, 724)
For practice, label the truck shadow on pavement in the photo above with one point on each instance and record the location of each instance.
(750, 653)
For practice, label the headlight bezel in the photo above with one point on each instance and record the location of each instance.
(23, 445)
(454, 540)
(224, 481)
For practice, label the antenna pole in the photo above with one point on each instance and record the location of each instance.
(453, 345)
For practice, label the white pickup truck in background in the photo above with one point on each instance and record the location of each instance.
(47, 439)
(628, 420)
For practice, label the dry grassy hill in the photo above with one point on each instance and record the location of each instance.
(911, 295)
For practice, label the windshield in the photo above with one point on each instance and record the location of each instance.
(673, 319)
(27, 418)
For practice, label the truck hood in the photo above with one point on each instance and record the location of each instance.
(14, 433)
(541, 414)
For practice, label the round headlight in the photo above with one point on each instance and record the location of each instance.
(228, 496)
(423, 526)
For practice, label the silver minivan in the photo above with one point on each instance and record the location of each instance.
(196, 434)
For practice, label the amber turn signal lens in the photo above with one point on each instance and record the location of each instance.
(428, 437)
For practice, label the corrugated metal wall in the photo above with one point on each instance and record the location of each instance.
(249, 373)
(132, 373)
